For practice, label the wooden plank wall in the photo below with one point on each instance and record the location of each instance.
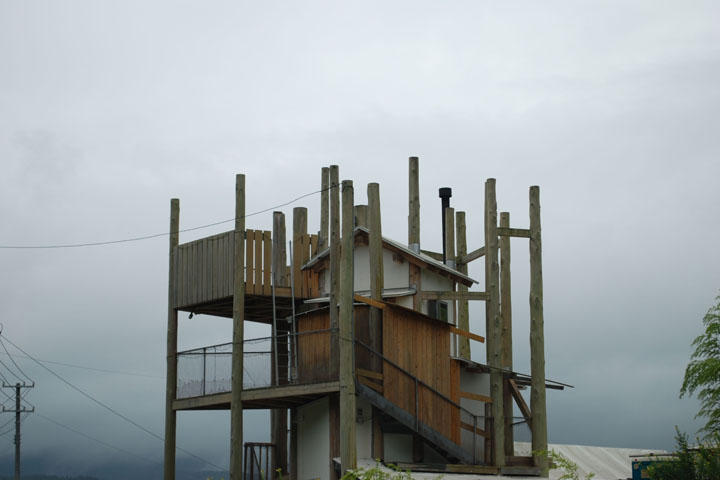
(306, 281)
(421, 346)
(258, 248)
(314, 363)
(204, 268)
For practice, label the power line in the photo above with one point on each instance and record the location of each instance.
(156, 235)
(103, 370)
(110, 409)
(92, 438)
(13, 360)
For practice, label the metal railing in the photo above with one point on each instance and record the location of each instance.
(299, 358)
(258, 461)
(426, 405)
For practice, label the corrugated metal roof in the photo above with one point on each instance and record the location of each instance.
(607, 463)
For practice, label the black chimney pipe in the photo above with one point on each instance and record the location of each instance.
(445, 194)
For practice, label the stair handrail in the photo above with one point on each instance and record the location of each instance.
(449, 400)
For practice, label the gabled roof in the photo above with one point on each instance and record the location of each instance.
(419, 259)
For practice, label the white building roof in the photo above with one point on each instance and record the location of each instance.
(405, 251)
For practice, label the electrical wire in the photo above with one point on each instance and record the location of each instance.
(13, 360)
(110, 409)
(164, 234)
(103, 370)
(101, 442)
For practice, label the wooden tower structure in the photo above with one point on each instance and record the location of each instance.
(370, 346)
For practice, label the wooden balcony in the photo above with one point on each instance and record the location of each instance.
(204, 281)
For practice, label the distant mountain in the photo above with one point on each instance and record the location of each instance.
(47, 467)
(46, 477)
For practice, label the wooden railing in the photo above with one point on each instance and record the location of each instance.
(204, 268)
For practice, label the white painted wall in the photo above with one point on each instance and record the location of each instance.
(363, 428)
(398, 447)
(314, 440)
(395, 273)
(474, 383)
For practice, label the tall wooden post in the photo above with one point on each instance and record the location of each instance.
(415, 273)
(377, 284)
(334, 264)
(463, 305)
(279, 416)
(324, 208)
(361, 215)
(449, 249)
(236, 408)
(494, 325)
(506, 315)
(171, 385)
(538, 407)
(348, 452)
(300, 230)
(414, 206)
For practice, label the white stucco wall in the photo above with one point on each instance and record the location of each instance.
(363, 428)
(314, 441)
(474, 383)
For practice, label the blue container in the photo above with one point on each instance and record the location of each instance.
(639, 469)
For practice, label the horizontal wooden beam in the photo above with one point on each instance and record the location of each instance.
(475, 396)
(465, 333)
(290, 391)
(478, 430)
(207, 402)
(369, 301)
(434, 255)
(515, 391)
(455, 468)
(439, 295)
(474, 255)
(369, 383)
(369, 373)
(513, 232)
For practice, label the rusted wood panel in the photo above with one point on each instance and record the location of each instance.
(249, 264)
(314, 348)
(296, 264)
(230, 266)
(420, 346)
(267, 262)
(258, 262)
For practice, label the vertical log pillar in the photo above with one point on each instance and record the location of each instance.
(377, 284)
(348, 452)
(171, 385)
(360, 213)
(449, 249)
(538, 407)
(414, 206)
(300, 247)
(324, 209)
(494, 325)
(279, 416)
(414, 230)
(506, 315)
(236, 408)
(462, 305)
(334, 265)
(299, 231)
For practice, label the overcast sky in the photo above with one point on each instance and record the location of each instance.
(108, 110)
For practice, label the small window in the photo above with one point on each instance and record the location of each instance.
(438, 309)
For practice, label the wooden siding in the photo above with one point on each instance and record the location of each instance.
(313, 362)
(420, 346)
(204, 268)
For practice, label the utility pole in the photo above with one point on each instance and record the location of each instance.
(18, 410)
